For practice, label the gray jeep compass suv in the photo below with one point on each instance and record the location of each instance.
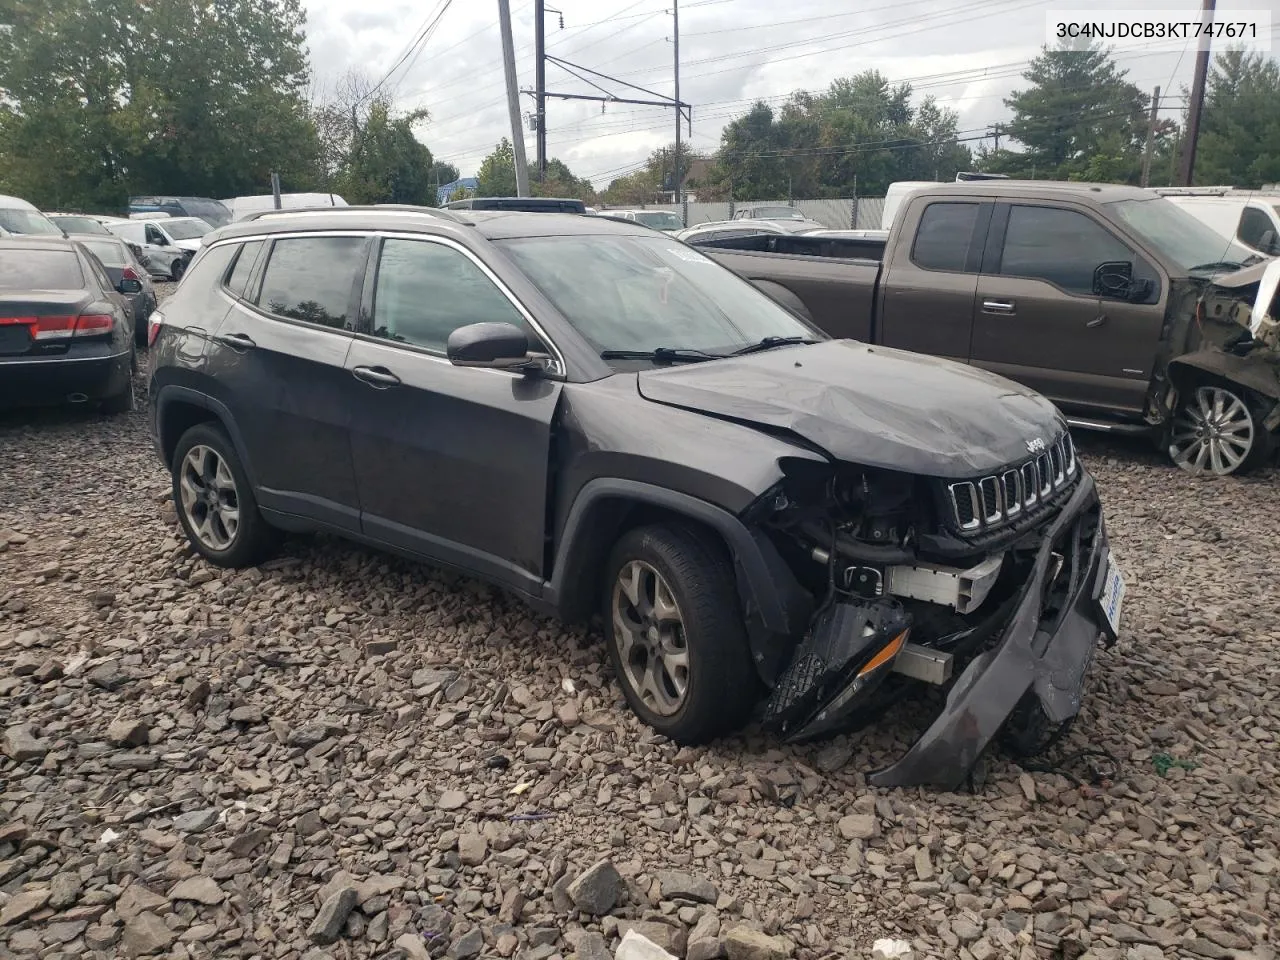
(603, 420)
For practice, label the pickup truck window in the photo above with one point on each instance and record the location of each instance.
(1059, 246)
(1257, 230)
(942, 240)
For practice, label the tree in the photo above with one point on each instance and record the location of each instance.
(1240, 126)
(560, 181)
(655, 181)
(387, 163)
(861, 133)
(1079, 119)
(497, 176)
(442, 173)
(101, 100)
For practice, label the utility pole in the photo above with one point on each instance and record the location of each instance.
(1151, 137)
(540, 84)
(675, 41)
(995, 135)
(513, 98)
(1197, 98)
(275, 190)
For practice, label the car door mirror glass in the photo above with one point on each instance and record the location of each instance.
(1114, 280)
(502, 345)
(129, 285)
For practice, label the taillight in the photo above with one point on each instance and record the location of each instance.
(94, 324)
(54, 328)
(154, 323)
(128, 273)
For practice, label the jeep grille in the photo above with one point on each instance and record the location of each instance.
(1021, 490)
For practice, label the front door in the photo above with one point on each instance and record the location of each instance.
(1038, 320)
(280, 354)
(451, 462)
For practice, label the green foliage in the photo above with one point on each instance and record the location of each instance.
(497, 177)
(860, 130)
(387, 164)
(653, 183)
(104, 98)
(1079, 119)
(442, 173)
(1240, 126)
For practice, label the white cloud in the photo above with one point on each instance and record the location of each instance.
(732, 51)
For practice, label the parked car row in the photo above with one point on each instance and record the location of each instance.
(601, 420)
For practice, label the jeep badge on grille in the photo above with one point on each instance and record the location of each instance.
(1035, 445)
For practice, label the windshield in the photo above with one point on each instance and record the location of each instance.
(112, 253)
(211, 211)
(777, 213)
(27, 221)
(1178, 235)
(40, 270)
(80, 225)
(659, 220)
(192, 229)
(642, 293)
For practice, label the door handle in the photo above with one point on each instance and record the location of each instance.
(1005, 307)
(237, 341)
(1097, 321)
(379, 377)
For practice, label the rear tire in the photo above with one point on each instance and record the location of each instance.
(675, 633)
(177, 269)
(125, 401)
(215, 502)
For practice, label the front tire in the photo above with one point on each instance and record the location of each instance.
(1217, 431)
(675, 633)
(177, 269)
(214, 501)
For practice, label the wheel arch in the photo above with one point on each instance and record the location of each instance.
(179, 408)
(774, 605)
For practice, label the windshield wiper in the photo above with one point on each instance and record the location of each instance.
(1217, 266)
(661, 355)
(768, 343)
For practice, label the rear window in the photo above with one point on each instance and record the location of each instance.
(79, 224)
(312, 279)
(40, 270)
(28, 222)
(111, 254)
(942, 240)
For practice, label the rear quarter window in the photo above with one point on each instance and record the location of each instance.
(943, 236)
(246, 254)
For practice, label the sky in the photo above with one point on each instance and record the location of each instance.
(968, 54)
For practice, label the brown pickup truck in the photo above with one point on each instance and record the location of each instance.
(1128, 313)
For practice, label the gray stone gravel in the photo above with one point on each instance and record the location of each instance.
(346, 755)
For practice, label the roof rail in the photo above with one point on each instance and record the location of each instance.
(361, 208)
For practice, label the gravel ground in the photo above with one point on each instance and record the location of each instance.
(346, 755)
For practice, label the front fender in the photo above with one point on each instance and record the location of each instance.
(1258, 371)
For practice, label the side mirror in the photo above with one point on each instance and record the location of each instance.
(501, 345)
(129, 285)
(1115, 280)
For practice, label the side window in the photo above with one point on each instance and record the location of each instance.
(1059, 246)
(942, 239)
(312, 279)
(1254, 229)
(154, 236)
(427, 290)
(96, 266)
(239, 277)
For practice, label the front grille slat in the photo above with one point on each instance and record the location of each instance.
(989, 503)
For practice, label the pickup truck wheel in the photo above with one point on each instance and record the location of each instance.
(215, 502)
(675, 634)
(1217, 430)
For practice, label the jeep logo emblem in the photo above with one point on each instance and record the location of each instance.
(1035, 445)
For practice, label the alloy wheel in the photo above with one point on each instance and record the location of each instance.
(649, 632)
(209, 497)
(1213, 432)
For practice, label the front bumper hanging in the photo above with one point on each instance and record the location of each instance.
(1047, 637)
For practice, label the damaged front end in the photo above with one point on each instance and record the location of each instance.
(995, 589)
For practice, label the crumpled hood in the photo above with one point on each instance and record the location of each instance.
(873, 406)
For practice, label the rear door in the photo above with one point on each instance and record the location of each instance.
(278, 356)
(451, 462)
(927, 290)
(1037, 318)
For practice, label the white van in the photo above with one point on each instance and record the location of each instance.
(167, 244)
(1247, 216)
(19, 217)
(241, 207)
